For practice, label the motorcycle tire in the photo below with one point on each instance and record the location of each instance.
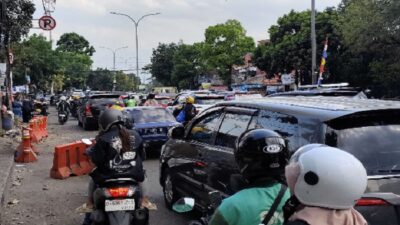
(196, 222)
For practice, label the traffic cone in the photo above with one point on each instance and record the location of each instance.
(25, 151)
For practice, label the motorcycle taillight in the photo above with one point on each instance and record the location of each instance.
(119, 192)
(87, 110)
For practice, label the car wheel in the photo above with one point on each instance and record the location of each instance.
(85, 126)
(170, 195)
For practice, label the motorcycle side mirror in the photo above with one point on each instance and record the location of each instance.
(215, 198)
(87, 141)
(183, 205)
(176, 132)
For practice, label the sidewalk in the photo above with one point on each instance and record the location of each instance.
(7, 148)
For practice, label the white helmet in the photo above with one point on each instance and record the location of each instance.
(329, 177)
(63, 98)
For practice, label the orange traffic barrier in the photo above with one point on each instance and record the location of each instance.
(38, 126)
(26, 151)
(70, 159)
(33, 131)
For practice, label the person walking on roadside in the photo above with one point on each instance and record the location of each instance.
(27, 109)
(325, 183)
(17, 107)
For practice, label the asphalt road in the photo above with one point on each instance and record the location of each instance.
(32, 197)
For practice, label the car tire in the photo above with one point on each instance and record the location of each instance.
(169, 192)
(85, 126)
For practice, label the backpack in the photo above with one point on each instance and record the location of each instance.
(181, 116)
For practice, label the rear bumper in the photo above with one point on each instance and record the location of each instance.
(91, 121)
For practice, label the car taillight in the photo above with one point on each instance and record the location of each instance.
(119, 192)
(371, 202)
(88, 112)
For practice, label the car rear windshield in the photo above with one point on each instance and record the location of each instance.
(104, 96)
(151, 115)
(209, 100)
(374, 140)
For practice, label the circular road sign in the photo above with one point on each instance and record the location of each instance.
(47, 23)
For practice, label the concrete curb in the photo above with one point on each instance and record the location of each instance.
(5, 176)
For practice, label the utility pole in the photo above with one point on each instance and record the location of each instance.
(313, 44)
(2, 20)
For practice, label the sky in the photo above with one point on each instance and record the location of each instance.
(184, 20)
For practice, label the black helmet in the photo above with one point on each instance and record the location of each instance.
(261, 153)
(109, 118)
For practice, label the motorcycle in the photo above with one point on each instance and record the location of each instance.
(62, 117)
(186, 204)
(118, 201)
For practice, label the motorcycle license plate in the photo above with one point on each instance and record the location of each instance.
(120, 205)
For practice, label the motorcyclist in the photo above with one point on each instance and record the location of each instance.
(118, 153)
(261, 156)
(187, 111)
(74, 105)
(151, 101)
(325, 183)
(63, 106)
(131, 102)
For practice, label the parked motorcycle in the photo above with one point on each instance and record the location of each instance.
(118, 201)
(187, 204)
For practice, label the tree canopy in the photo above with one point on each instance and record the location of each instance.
(75, 43)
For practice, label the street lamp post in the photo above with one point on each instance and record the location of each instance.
(136, 23)
(114, 51)
(313, 44)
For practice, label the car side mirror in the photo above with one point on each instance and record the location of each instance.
(183, 205)
(215, 198)
(176, 132)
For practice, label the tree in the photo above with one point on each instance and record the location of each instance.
(290, 46)
(18, 20)
(186, 61)
(35, 57)
(371, 32)
(225, 45)
(162, 63)
(75, 43)
(124, 81)
(100, 79)
(76, 68)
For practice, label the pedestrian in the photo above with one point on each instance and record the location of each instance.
(17, 107)
(150, 101)
(27, 109)
(261, 156)
(325, 183)
(187, 111)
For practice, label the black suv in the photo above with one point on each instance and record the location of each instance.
(92, 106)
(200, 158)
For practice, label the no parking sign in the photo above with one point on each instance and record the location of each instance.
(47, 23)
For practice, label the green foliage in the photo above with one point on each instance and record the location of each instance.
(35, 57)
(100, 79)
(75, 43)
(225, 45)
(18, 19)
(187, 64)
(162, 63)
(290, 45)
(371, 31)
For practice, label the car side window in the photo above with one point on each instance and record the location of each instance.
(285, 125)
(231, 128)
(204, 130)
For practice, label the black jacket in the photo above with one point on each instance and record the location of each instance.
(296, 222)
(110, 164)
(63, 106)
